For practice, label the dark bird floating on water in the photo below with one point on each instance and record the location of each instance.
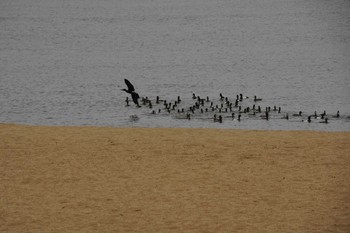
(131, 90)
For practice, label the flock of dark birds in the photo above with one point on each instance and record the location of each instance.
(223, 108)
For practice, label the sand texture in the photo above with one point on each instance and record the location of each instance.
(96, 179)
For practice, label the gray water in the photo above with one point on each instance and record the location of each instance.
(63, 62)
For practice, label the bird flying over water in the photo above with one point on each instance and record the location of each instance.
(131, 90)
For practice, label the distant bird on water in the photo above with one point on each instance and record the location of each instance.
(131, 90)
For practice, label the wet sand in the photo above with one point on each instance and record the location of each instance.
(99, 179)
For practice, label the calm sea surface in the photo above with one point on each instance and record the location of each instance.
(63, 62)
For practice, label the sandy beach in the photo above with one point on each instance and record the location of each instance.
(99, 179)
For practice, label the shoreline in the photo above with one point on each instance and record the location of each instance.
(93, 178)
(189, 128)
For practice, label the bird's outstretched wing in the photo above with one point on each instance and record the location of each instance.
(130, 86)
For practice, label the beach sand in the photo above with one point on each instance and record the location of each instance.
(100, 179)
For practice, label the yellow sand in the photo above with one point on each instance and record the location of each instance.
(95, 179)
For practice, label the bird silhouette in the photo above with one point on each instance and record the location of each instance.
(131, 90)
